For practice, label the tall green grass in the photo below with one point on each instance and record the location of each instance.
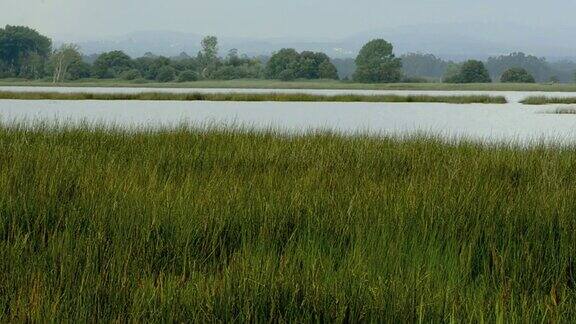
(294, 97)
(230, 225)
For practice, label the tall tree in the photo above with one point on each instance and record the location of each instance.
(21, 46)
(112, 64)
(286, 59)
(62, 59)
(376, 63)
(208, 57)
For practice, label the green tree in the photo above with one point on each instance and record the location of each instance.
(471, 71)
(517, 75)
(150, 65)
(327, 70)
(288, 64)
(316, 65)
(112, 64)
(22, 50)
(376, 63)
(285, 59)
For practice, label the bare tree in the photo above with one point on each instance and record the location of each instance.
(62, 58)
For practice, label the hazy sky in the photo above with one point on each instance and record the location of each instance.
(319, 19)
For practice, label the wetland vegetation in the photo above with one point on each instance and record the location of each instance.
(100, 224)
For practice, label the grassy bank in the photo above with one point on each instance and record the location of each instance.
(543, 100)
(282, 97)
(100, 225)
(302, 84)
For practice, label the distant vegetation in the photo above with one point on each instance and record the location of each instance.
(227, 226)
(288, 65)
(26, 54)
(564, 111)
(471, 71)
(517, 75)
(416, 65)
(284, 97)
(544, 100)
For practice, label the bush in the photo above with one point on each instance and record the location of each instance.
(166, 74)
(130, 75)
(187, 76)
(517, 75)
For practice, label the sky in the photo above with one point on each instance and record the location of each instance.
(305, 19)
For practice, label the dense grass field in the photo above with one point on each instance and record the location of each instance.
(302, 84)
(234, 225)
(282, 97)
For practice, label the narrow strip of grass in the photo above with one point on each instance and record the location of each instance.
(564, 111)
(280, 97)
(544, 100)
(299, 84)
(225, 226)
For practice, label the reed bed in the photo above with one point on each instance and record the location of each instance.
(281, 97)
(544, 100)
(564, 111)
(234, 225)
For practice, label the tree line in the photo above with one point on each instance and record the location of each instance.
(25, 53)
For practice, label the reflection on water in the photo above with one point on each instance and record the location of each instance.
(511, 122)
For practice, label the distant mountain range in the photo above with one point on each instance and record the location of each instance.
(457, 41)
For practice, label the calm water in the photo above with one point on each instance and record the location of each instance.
(511, 122)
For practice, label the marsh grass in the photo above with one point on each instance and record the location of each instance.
(282, 97)
(242, 226)
(563, 111)
(300, 84)
(544, 100)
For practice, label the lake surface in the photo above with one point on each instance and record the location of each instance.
(511, 122)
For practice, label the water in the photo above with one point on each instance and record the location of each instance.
(512, 122)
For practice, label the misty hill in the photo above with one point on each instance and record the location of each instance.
(450, 41)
